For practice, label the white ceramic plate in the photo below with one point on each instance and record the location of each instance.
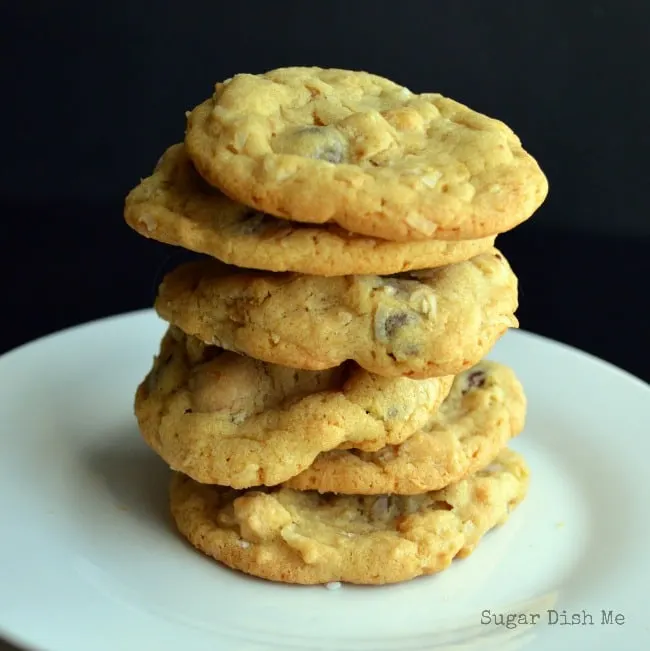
(90, 561)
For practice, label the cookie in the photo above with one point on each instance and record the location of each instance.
(421, 324)
(306, 537)
(324, 145)
(176, 206)
(223, 418)
(485, 408)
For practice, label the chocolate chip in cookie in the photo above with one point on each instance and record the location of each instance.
(395, 321)
(388, 323)
(475, 380)
(322, 143)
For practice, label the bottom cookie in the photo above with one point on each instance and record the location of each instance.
(306, 537)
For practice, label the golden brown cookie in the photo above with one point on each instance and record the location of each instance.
(176, 206)
(485, 408)
(306, 537)
(223, 418)
(324, 145)
(421, 324)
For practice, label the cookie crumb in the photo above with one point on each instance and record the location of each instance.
(333, 585)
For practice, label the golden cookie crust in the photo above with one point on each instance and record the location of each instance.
(223, 418)
(424, 324)
(305, 537)
(176, 206)
(326, 145)
(484, 409)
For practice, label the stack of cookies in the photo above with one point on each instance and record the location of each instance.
(321, 393)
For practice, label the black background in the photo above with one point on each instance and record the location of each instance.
(92, 93)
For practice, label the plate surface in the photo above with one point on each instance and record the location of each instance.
(90, 560)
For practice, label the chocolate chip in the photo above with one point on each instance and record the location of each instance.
(389, 322)
(326, 144)
(395, 321)
(322, 143)
(332, 153)
(475, 380)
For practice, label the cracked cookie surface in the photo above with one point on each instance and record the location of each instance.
(421, 324)
(305, 537)
(223, 418)
(484, 409)
(326, 145)
(176, 206)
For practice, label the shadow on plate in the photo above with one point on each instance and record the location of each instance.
(131, 475)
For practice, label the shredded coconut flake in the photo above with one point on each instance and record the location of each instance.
(333, 585)
(240, 141)
(424, 301)
(149, 222)
(421, 224)
(244, 544)
(431, 180)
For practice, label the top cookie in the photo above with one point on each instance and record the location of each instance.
(176, 206)
(325, 145)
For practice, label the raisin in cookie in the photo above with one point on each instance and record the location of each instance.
(421, 324)
(176, 206)
(324, 145)
(223, 418)
(306, 537)
(485, 408)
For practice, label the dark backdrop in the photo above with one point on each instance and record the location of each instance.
(94, 92)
